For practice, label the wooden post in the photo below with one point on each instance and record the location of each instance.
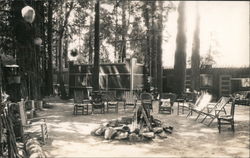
(132, 65)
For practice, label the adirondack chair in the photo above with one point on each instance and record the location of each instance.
(81, 102)
(29, 125)
(201, 103)
(110, 98)
(166, 103)
(214, 112)
(227, 119)
(97, 102)
(130, 99)
(147, 100)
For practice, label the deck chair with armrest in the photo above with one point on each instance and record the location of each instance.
(201, 103)
(129, 99)
(227, 119)
(166, 103)
(214, 112)
(147, 100)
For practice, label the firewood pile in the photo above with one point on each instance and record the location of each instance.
(140, 127)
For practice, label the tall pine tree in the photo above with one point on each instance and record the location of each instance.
(180, 53)
(195, 58)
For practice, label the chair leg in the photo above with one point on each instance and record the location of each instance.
(74, 110)
(204, 119)
(183, 108)
(197, 116)
(178, 108)
(189, 114)
(232, 125)
(43, 136)
(219, 125)
(87, 109)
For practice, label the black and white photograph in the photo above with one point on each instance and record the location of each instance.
(124, 78)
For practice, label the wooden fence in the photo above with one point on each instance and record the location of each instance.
(118, 77)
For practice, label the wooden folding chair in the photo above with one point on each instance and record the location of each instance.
(129, 99)
(227, 119)
(28, 124)
(201, 103)
(81, 102)
(214, 112)
(166, 103)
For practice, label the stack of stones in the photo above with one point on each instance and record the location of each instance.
(126, 129)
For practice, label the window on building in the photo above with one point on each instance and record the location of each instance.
(206, 80)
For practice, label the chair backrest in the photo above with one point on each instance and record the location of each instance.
(79, 96)
(170, 96)
(202, 101)
(109, 95)
(220, 105)
(96, 97)
(129, 96)
(191, 97)
(146, 98)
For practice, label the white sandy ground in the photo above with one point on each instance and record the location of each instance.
(69, 136)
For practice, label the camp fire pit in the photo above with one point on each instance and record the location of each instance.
(140, 127)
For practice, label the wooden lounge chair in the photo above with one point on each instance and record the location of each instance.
(110, 98)
(29, 125)
(81, 102)
(214, 112)
(130, 99)
(201, 103)
(227, 119)
(147, 100)
(166, 103)
(97, 102)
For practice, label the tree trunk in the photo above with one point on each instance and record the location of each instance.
(159, 48)
(195, 59)
(154, 53)
(91, 36)
(124, 32)
(180, 53)
(60, 76)
(50, 57)
(116, 32)
(95, 74)
(146, 72)
(60, 50)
